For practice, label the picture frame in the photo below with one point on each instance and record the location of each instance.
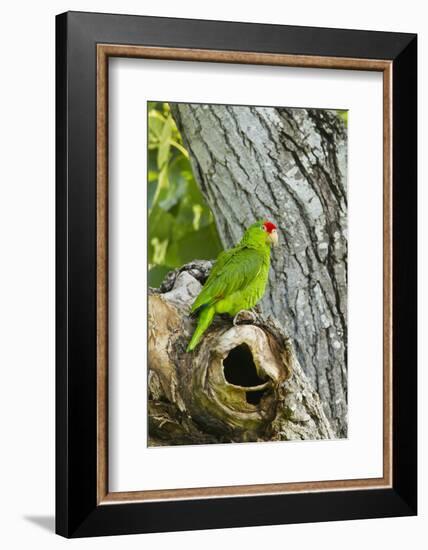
(84, 44)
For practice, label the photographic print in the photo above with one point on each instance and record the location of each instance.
(230, 252)
(247, 270)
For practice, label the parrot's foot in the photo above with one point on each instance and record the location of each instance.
(244, 316)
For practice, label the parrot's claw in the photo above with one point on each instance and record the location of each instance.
(244, 316)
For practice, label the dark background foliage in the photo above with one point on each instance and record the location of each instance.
(181, 225)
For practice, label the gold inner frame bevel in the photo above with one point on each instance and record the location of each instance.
(104, 51)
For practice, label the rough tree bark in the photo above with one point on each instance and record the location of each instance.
(287, 165)
(243, 382)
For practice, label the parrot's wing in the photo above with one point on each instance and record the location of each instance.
(233, 272)
(220, 262)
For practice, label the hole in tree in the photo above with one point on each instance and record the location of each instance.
(254, 397)
(240, 369)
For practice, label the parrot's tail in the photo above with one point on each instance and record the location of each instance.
(205, 319)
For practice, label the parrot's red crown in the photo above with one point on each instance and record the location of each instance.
(269, 226)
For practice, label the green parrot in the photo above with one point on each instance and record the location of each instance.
(238, 278)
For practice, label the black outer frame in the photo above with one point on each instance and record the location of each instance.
(77, 513)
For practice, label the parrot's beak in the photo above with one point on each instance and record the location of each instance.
(273, 237)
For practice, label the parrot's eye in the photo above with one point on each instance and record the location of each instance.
(263, 227)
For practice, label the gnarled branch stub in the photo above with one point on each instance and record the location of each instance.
(234, 386)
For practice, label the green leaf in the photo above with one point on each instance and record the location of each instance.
(197, 245)
(160, 227)
(162, 187)
(176, 190)
(164, 143)
(152, 161)
(184, 218)
(344, 116)
(177, 186)
(151, 192)
(159, 250)
(156, 125)
(181, 226)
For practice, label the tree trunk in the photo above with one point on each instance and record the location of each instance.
(242, 383)
(288, 166)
